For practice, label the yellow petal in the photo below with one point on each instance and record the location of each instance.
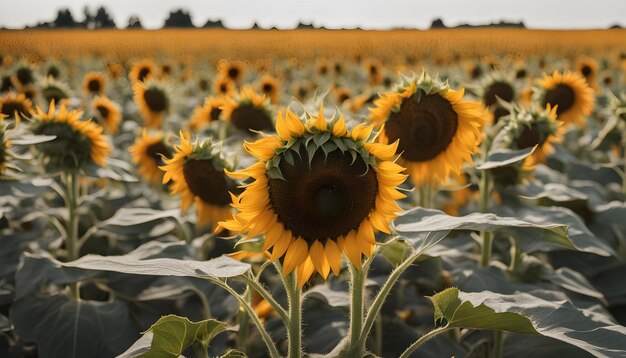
(352, 250)
(296, 254)
(333, 255)
(304, 272)
(318, 256)
(339, 129)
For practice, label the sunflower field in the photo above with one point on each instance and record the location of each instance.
(215, 193)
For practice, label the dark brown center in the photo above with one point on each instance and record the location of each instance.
(53, 71)
(155, 151)
(530, 137)
(104, 111)
(521, 73)
(143, 73)
(326, 200)
(561, 95)
(10, 107)
(24, 75)
(155, 99)
(206, 182)
(94, 86)
(498, 113)
(215, 114)
(251, 119)
(586, 70)
(268, 88)
(499, 89)
(233, 73)
(425, 129)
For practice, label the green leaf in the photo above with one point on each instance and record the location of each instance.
(220, 267)
(171, 335)
(528, 314)
(426, 226)
(62, 327)
(27, 139)
(505, 157)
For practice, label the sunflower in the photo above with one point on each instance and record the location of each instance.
(115, 70)
(318, 190)
(24, 75)
(233, 70)
(437, 129)
(248, 111)
(53, 71)
(108, 113)
(148, 152)
(77, 142)
(153, 99)
(570, 92)
(197, 172)
(223, 86)
(497, 85)
(142, 70)
(270, 88)
(94, 83)
(374, 72)
(588, 67)
(13, 105)
(342, 94)
(209, 112)
(55, 90)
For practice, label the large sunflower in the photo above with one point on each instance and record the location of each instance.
(570, 92)
(318, 190)
(437, 129)
(77, 142)
(148, 152)
(197, 172)
(13, 104)
(209, 112)
(108, 113)
(248, 111)
(142, 70)
(94, 83)
(153, 99)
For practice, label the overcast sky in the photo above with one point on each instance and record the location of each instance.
(380, 14)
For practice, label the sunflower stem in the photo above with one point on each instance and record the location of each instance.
(294, 328)
(498, 344)
(244, 322)
(271, 347)
(258, 287)
(357, 289)
(423, 339)
(487, 239)
(516, 256)
(71, 244)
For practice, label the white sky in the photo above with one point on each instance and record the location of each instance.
(380, 14)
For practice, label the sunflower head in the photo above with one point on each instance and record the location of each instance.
(53, 71)
(94, 83)
(233, 70)
(154, 101)
(12, 105)
(223, 86)
(77, 142)
(270, 88)
(497, 87)
(588, 67)
(209, 111)
(24, 75)
(142, 70)
(148, 152)
(570, 92)
(55, 90)
(318, 190)
(196, 171)
(248, 111)
(107, 113)
(529, 127)
(438, 131)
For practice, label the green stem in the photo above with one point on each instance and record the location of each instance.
(382, 294)
(516, 256)
(498, 344)
(378, 335)
(71, 244)
(357, 290)
(271, 347)
(201, 350)
(294, 328)
(423, 339)
(244, 322)
(485, 192)
(253, 283)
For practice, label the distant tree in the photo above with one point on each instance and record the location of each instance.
(178, 18)
(213, 24)
(103, 20)
(437, 24)
(88, 22)
(134, 23)
(64, 19)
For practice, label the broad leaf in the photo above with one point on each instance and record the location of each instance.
(505, 157)
(528, 314)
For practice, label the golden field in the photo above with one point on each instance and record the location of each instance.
(309, 43)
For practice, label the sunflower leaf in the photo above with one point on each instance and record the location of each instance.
(505, 157)
(275, 173)
(340, 144)
(288, 155)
